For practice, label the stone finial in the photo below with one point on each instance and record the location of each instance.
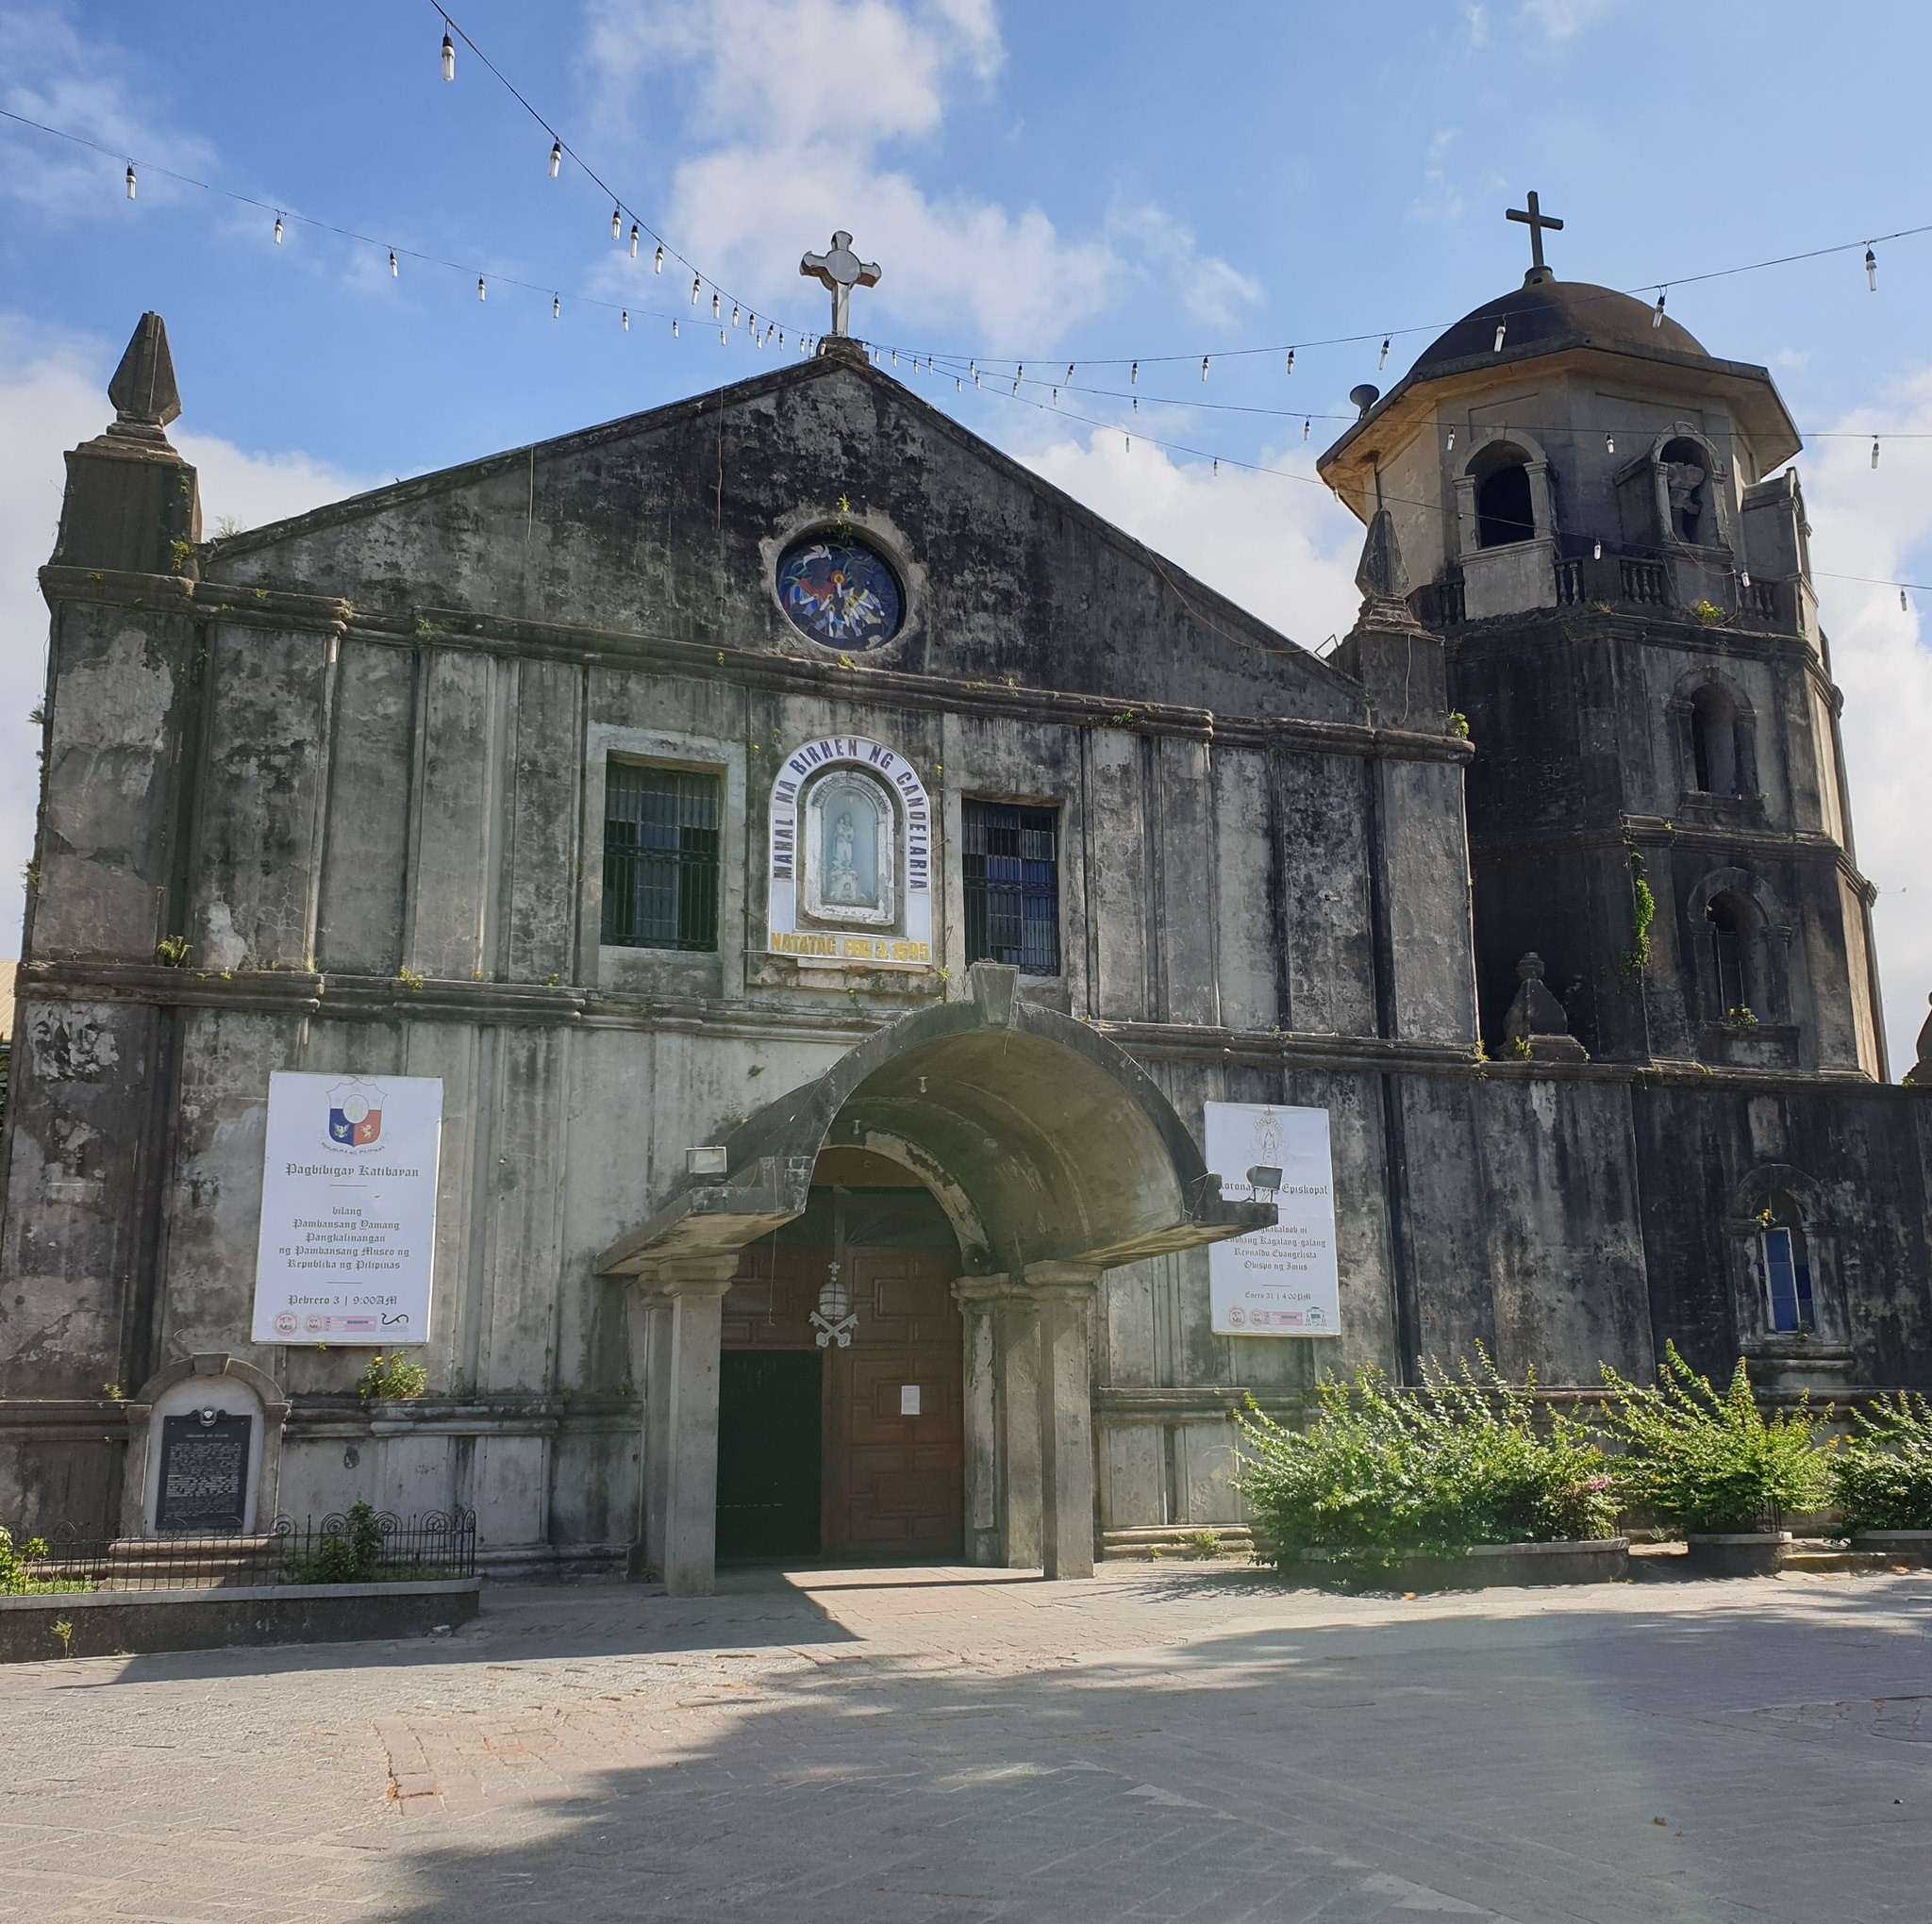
(1380, 575)
(1536, 1026)
(143, 390)
(1919, 1074)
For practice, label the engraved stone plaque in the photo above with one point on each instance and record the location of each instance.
(204, 1485)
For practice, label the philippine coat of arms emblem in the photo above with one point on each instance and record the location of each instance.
(355, 1114)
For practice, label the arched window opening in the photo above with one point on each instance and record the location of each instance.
(1731, 953)
(1687, 477)
(1715, 742)
(1503, 513)
(1786, 1266)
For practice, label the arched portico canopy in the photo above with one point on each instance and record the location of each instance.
(1043, 1141)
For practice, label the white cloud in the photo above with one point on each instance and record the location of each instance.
(1283, 549)
(789, 162)
(1563, 19)
(52, 395)
(1874, 524)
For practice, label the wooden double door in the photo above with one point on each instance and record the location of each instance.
(888, 1452)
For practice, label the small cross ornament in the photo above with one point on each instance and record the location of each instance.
(842, 270)
(1536, 221)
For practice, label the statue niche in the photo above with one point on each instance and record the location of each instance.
(851, 836)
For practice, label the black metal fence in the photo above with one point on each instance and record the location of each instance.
(363, 1547)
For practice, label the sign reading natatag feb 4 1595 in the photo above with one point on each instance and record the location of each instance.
(349, 1209)
(1285, 1281)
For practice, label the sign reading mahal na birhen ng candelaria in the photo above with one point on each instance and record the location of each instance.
(349, 1209)
(851, 869)
(1285, 1281)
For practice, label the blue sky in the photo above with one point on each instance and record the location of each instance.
(1048, 181)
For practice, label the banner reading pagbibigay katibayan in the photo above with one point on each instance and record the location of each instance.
(349, 1209)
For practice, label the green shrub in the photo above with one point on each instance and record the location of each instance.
(17, 1569)
(1381, 1472)
(1714, 1463)
(391, 1379)
(1882, 1473)
(352, 1558)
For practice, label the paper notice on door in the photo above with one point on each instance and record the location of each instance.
(908, 1399)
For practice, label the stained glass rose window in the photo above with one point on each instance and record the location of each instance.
(840, 593)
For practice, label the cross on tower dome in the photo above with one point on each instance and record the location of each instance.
(842, 270)
(1536, 221)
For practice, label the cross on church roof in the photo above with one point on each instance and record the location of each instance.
(1536, 221)
(842, 270)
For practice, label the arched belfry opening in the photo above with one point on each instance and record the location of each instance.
(1686, 477)
(1504, 507)
(1715, 742)
(1044, 1153)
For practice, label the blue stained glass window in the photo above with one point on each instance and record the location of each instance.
(841, 593)
(1789, 1277)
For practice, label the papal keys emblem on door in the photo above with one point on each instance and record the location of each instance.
(355, 1114)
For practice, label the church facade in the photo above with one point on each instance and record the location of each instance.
(831, 874)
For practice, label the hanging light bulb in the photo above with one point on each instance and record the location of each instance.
(1597, 552)
(1744, 578)
(958, 385)
(1502, 328)
(657, 260)
(1609, 443)
(896, 356)
(1307, 426)
(781, 337)
(1874, 451)
(696, 288)
(1450, 449)
(278, 230)
(1136, 404)
(634, 247)
(480, 295)
(1657, 316)
(557, 306)
(1872, 270)
(1129, 440)
(1055, 397)
(734, 313)
(130, 180)
(1290, 368)
(1204, 367)
(392, 271)
(1905, 607)
(973, 368)
(1384, 362)
(1134, 375)
(626, 320)
(975, 380)
(555, 158)
(1070, 372)
(1016, 384)
(673, 330)
(717, 306)
(449, 57)
(724, 338)
(1217, 467)
(617, 223)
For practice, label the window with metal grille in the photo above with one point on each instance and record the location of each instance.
(1011, 866)
(660, 857)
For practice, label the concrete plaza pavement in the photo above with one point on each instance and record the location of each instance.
(1162, 1742)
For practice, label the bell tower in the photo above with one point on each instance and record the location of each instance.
(1603, 530)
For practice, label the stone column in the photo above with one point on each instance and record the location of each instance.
(681, 1420)
(1065, 1292)
(1003, 1492)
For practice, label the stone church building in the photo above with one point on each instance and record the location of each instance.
(830, 871)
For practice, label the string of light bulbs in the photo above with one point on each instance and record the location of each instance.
(397, 252)
(1867, 247)
(621, 209)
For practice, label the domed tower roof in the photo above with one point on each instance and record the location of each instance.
(1544, 315)
(1542, 321)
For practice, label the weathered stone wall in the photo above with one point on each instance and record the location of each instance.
(356, 770)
